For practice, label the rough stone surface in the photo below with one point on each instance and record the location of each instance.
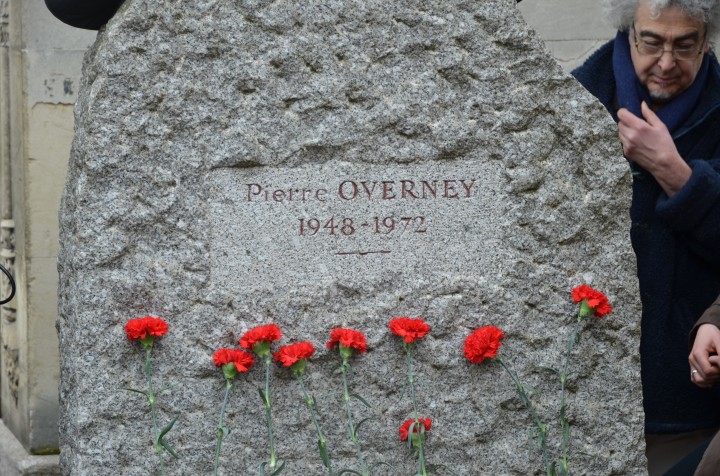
(189, 114)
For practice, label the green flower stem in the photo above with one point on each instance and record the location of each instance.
(310, 402)
(411, 383)
(542, 429)
(268, 413)
(421, 454)
(351, 426)
(221, 427)
(148, 345)
(411, 378)
(563, 379)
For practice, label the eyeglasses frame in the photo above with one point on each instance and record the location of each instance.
(661, 52)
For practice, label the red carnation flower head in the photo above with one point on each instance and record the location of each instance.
(259, 339)
(408, 328)
(290, 354)
(146, 329)
(349, 340)
(592, 300)
(405, 427)
(295, 356)
(233, 361)
(483, 343)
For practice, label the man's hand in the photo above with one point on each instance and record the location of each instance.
(649, 144)
(703, 356)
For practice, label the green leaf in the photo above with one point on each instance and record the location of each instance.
(135, 390)
(361, 399)
(538, 436)
(167, 446)
(224, 430)
(324, 453)
(531, 391)
(357, 427)
(161, 437)
(261, 470)
(262, 394)
(549, 369)
(279, 469)
(168, 427)
(351, 471)
(411, 432)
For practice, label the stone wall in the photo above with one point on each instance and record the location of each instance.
(241, 163)
(40, 63)
(40, 72)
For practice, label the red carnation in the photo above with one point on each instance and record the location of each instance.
(409, 329)
(242, 360)
(141, 327)
(405, 428)
(595, 300)
(483, 343)
(268, 333)
(348, 338)
(290, 354)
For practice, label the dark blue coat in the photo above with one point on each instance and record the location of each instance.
(677, 245)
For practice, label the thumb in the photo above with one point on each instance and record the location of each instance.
(649, 115)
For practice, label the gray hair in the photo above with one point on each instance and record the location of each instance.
(621, 13)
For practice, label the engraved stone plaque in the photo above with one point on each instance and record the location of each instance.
(357, 219)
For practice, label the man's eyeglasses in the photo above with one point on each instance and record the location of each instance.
(655, 48)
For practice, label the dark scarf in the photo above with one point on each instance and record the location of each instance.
(630, 93)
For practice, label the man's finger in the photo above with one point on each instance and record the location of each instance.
(626, 116)
(649, 115)
(630, 120)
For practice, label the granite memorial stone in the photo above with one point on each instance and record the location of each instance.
(337, 163)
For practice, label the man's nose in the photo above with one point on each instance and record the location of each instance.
(667, 60)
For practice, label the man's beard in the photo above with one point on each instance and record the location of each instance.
(660, 97)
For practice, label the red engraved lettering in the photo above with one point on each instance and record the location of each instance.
(370, 190)
(321, 194)
(278, 195)
(343, 192)
(387, 190)
(432, 189)
(253, 190)
(407, 187)
(450, 191)
(467, 187)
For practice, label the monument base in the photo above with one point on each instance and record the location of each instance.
(15, 461)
